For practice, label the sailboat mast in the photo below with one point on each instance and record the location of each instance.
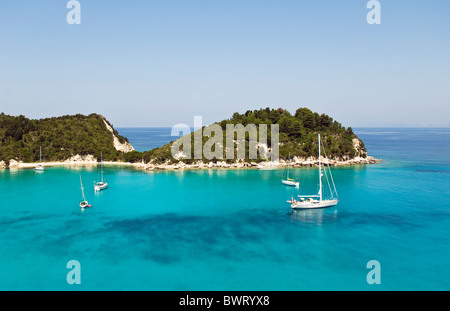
(40, 153)
(289, 163)
(101, 164)
(320, 174)
(82, 189)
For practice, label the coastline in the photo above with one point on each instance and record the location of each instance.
(21, 165)
(295, 163)
(79, 163)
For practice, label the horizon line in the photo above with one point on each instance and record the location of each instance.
(354, 127)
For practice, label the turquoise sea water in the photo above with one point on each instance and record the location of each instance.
(231, 229)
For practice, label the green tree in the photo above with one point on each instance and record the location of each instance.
(307, 118)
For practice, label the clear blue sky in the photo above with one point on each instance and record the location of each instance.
(158, 63)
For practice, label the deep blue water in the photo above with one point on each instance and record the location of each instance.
(147, 138)
(231, 229)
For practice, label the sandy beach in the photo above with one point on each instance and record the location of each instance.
(20, 165)
(80, 163)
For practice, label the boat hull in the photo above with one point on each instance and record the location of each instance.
(290, 183)
(100, 186)
(314, 204)
(39, 168)
(85, 204)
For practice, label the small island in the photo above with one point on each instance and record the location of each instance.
(80, 139)
(297, 141)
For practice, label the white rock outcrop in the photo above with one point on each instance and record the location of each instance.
(357, 146)
(13, 163)
(125, 147)
(79, 158)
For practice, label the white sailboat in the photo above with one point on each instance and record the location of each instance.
(318, 200)
(289, 181)
(40, 167)
(101, 185)
(83, 203)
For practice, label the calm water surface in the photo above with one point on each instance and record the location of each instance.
(231, 229)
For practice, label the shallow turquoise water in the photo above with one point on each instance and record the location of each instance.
(230, 229)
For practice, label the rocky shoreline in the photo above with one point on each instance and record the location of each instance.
(296, 162)
(89, 160)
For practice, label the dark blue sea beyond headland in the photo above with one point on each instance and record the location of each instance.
(147, 138)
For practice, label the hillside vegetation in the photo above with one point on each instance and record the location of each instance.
(64, 137)
(297, 136)
(60, 138)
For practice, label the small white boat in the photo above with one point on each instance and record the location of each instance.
(101, 185)
(40, 167)
(311, 203)
(289, 181)
(83, 203)
(317, 200)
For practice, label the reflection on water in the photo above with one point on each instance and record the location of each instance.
(314, 216)
(83, 167)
